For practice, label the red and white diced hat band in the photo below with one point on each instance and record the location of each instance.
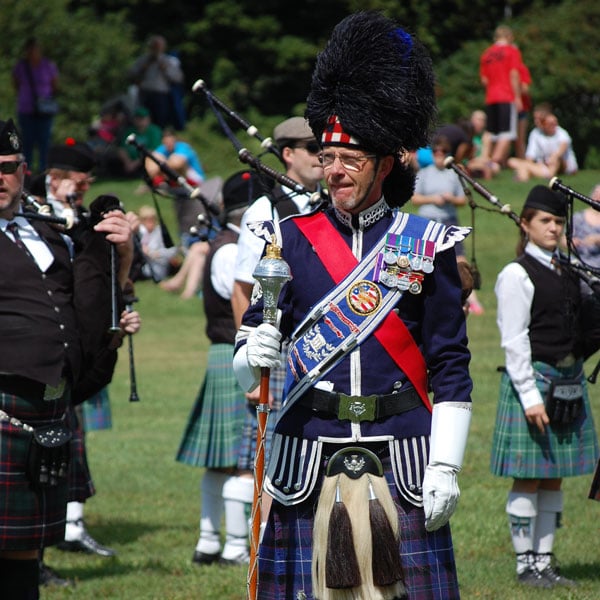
(335, 134)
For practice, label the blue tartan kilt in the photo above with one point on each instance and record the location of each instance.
(96, 412)
(30, 518)
(214, 429)
(286, 549)
(521, 451)
(250, 428)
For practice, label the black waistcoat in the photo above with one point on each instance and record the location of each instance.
(38, 330)
(220, 327)
(554, 331)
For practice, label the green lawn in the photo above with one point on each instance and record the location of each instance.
(147, 505)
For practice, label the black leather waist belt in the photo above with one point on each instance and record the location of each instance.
(28, 388)
(361, 408)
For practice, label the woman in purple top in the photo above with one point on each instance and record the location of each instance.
(35, 77)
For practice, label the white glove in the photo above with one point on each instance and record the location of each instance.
(440, 495)
(449, 430)
(264, 347)
(260, 350)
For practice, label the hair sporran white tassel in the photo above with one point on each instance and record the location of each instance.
(356, 550)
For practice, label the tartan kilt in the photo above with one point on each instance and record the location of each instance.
(96, 412)
(29, 518)
(81, 486)
(519, 450)
(285, 551)
(212, 435)
(250, 428)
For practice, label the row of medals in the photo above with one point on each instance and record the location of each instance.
(403, 272)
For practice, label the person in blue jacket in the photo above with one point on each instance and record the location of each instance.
(376, 410)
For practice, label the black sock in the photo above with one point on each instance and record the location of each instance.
(20, 579)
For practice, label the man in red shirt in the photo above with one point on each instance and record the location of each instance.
(499, 73)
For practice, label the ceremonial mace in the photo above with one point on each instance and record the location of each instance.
(272, 272)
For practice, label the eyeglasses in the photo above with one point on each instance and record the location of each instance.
(350, 162)
(310, 147)
(9, 167)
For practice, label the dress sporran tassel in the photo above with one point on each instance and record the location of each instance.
(341, 569)
(387, 568)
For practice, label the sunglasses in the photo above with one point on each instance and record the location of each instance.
(310, 147)
(9, 167)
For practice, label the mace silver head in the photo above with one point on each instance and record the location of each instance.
(272, 272)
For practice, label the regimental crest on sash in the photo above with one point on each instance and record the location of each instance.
(404, 261)
(315, 345)
(363, 297)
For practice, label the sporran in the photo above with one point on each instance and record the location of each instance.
(49, 453)
(564, 401)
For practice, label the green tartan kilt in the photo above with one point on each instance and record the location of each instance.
(214, 428)
(521, 451)
(30, 518)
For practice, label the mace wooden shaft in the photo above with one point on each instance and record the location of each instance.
(262, 413)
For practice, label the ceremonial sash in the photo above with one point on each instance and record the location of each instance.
(388, 328)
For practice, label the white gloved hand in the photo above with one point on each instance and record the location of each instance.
(440, 495)
(264, 347)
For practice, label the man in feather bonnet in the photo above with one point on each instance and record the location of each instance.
(376, 410)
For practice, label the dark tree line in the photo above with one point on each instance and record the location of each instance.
(259, 56)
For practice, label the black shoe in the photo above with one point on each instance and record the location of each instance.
(86, 543)
(552, 574)
(50, 577)
(201, 558)
(532, 577)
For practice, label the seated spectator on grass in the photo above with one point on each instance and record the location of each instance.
(549, 152)
(479, 164)
(157, 257)
(146, 134)
(189, 276)
(586, 232)
(104, 134)
(179, 157)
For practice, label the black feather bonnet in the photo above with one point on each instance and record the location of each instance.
(378, 81)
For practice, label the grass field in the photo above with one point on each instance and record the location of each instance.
(147, 505)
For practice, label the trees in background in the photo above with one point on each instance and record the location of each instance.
(91, 52)
(258, 56)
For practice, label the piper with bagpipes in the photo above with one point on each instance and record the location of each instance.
(298, 190)
(48, 339)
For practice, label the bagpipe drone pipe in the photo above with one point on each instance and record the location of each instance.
(266, 143)
(181, 191)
